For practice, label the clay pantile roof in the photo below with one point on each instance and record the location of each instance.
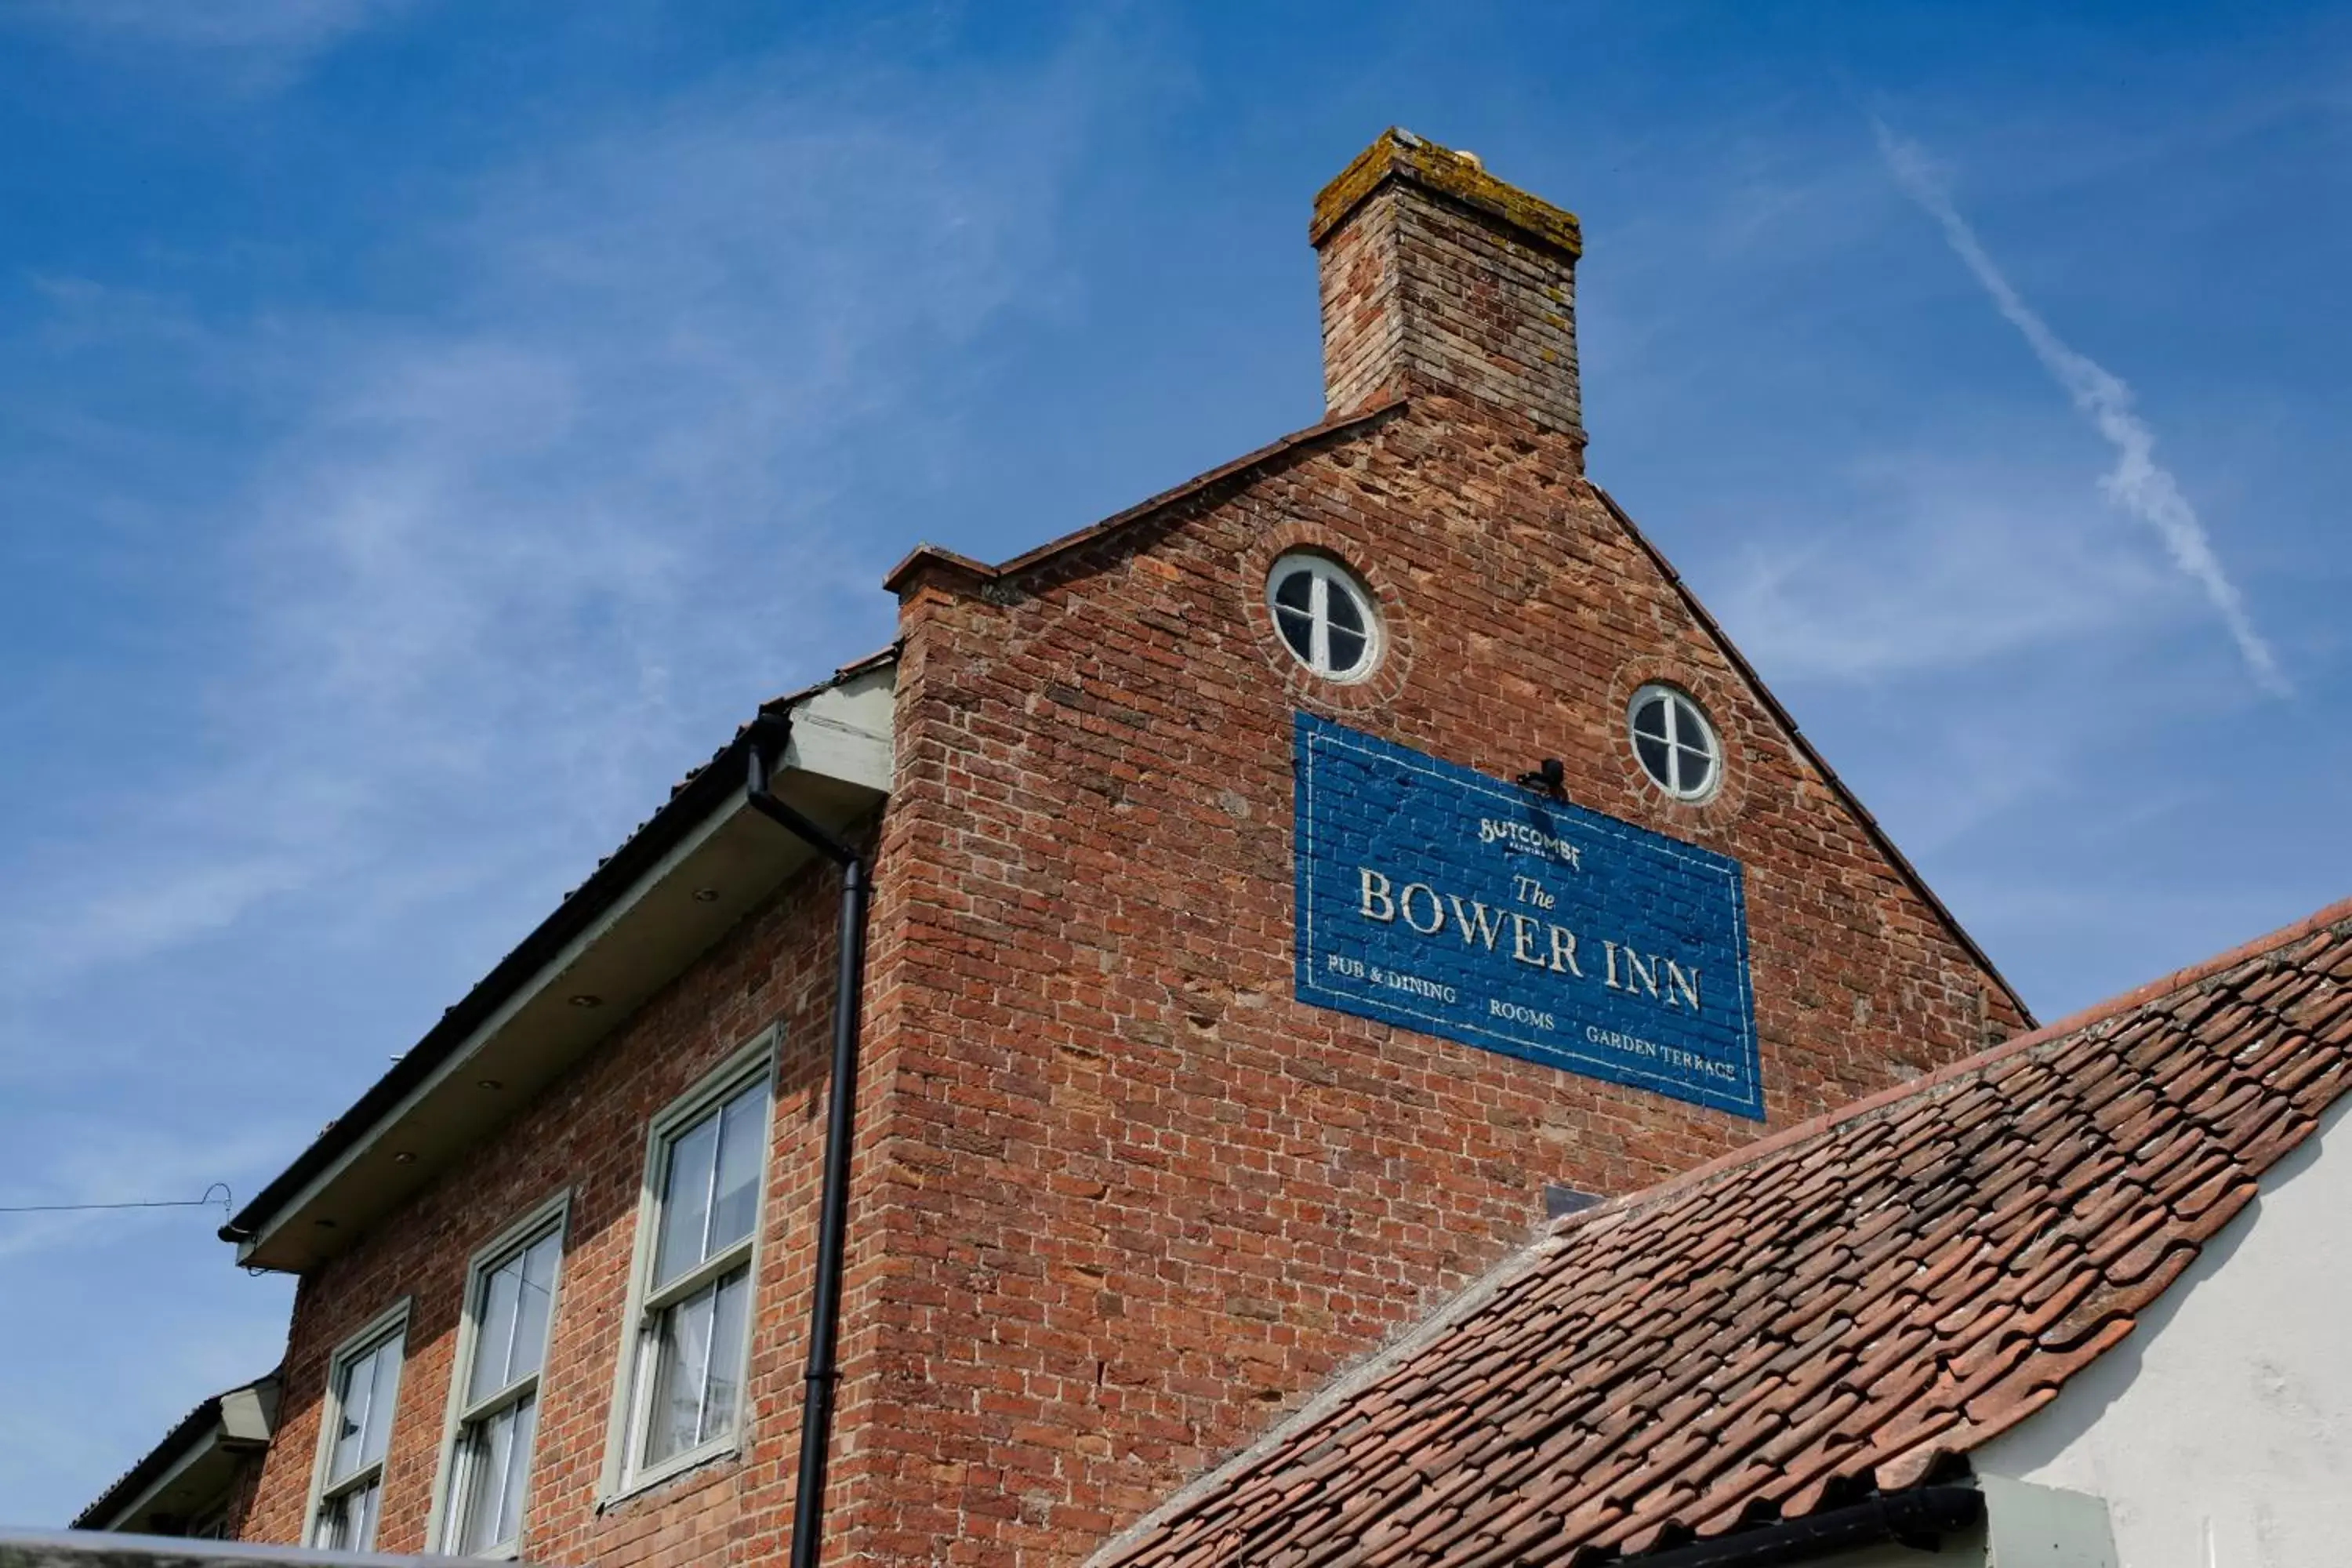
(1848, 1306)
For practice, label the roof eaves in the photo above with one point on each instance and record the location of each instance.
(700, 793)
(185, 1433)
(202, 1423)
(840, 676)
(691, 800)
(934, 557)
(1870, 824)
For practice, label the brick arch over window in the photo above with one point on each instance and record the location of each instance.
(1736, 737)
(1306, 688)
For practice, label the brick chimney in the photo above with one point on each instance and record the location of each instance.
(1438, 277)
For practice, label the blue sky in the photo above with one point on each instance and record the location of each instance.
(427, 426)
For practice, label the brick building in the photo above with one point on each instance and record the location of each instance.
(1213, 1029)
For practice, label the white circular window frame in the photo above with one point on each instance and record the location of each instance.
(1679, 704)
(1330, 576)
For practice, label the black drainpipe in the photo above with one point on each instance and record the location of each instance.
(1916, 1518)
(832, 1204)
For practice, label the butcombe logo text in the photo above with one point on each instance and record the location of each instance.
(1534, 840)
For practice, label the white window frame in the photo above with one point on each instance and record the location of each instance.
(1678, 702)
(552, 1217)
(1328, 576)
(632, 1393)
(389, 1325)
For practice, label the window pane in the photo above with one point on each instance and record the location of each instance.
(681, 1365)
(1347, 650)
(1696, 768)
(481, 1455)
(1650, 718)
(686, 1199)
(347, 1523)
(738, 1169)
(495, 1335)
(497, 1455)
(385, 1370)
(363, 1504)
(1298, 630)
(1344, 614)
(699, 1367)
(1294, 590)
(364, 1406)
(526, 1422)
(537, 1299)
(350, 1402)
(726, 1355)
(1653, 755)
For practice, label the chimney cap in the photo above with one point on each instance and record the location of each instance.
(1401, 155)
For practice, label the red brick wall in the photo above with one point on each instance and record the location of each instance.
(1358, 275)
(1126, 1200)
(587, 1132)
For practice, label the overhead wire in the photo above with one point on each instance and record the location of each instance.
(221, 1188)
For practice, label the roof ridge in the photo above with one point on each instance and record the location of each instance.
(1967, 1068)
(940, 556)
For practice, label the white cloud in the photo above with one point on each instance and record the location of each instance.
(1926, 577)
(2137, 483)
(498, 569)
(576, 523)
(261, 41)
(217, 23)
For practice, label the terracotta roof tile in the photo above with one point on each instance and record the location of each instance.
(1847, 1305)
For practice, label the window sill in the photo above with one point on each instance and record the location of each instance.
(695, 1464)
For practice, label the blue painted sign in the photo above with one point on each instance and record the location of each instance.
(1437, 899)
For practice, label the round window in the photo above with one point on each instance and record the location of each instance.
(1674, 742)
(1325, 616)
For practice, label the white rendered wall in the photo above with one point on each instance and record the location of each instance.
(2220, 1432)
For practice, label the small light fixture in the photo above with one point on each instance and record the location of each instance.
(490, 1083)
(403, 1157)
(1550, 776)
(585, 999)
(706, 895)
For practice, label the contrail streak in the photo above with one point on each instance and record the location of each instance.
(2137, 483)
